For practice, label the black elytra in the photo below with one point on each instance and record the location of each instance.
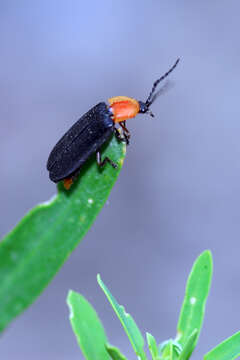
(83, 139)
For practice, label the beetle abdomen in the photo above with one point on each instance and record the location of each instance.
(80, 141)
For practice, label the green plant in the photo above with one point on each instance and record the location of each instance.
(93, 341)
(32, 253)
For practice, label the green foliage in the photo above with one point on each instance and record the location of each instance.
(152, 345)
(197, 289)
(189, 324)
(127, 322)
(115, 353)
(189, 345)
(87, 327)
(32, 253)
(169, 350)
(227, 350)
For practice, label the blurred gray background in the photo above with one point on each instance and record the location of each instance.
(178, 193)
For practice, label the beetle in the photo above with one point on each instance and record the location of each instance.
(92, 130)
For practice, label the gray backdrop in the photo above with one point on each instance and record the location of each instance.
(178, 192)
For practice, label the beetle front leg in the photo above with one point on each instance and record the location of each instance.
(101, 162)
(119, 136)
(126, 132)
(123, 138)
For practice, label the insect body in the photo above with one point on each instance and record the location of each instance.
(92, 130)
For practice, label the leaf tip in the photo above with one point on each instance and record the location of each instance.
(204, 260)
(99, 280)
(70, 296)
(207, 254)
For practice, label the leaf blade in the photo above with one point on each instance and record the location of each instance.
(197, 289)
(87, 327)
(115, 353)
(189, 346)
(152, 345)
(167, 353)
(229, 349)
(127, 322)
(32, 253)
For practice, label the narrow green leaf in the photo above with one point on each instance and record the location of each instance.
(152, 345)
(189, 346)
(197, 289)
(177, 347)
(167, 353)
(127, 322)
(115, 353)
(32, 253)
(229, 349)
(169, 350)
(87, 327)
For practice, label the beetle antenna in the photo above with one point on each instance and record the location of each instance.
(168, 85)
(151, 96)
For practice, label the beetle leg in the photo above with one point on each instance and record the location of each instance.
(101, 162)
(126, 137)
(123, 125)
(75, 174)
(126, 132)
(119, 136)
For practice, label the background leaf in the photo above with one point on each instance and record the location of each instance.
(198, 285)
(227, 350)
(127, 322)
(152, 345)
(32, 253)
(167, 353)
(115, 353)
(169, 350)
(87, 327)
(189, 346)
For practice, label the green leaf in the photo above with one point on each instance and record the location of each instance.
(152, 346)
(227, 350)
(32, 253)
(127, 322)
(114, 352)
(87, 327)
(197, 289)
(189, 346)
(167, 353)
(169, 350)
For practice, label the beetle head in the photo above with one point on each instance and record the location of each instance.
(144, 108)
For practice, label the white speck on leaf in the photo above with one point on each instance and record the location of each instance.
(193, 300)
(90, 201)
